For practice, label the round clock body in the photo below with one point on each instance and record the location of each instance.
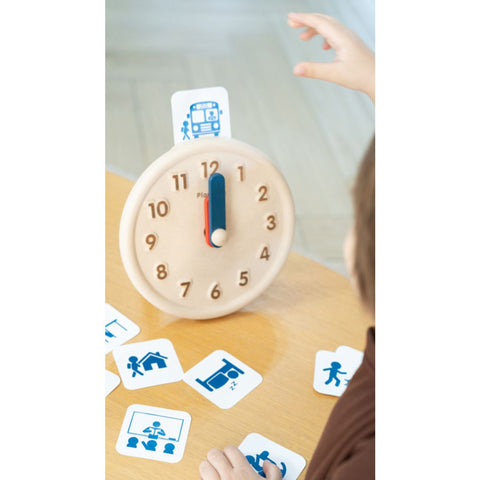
(206, 228)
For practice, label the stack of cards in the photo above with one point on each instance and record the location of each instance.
(334, 370)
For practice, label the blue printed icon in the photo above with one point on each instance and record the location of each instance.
(112, 329)
(154, 431)
(204, 120)
(257, 463)
(334, 370)
(169, 448)
(132, 442)
(219, 378)
(147, 362)
(151, 445)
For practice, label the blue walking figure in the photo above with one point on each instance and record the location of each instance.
(134, 366)
(334, 370)
(185, 130)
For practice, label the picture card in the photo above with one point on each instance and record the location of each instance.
(334, 370)
(145, 364)
(154, 433)
(199, 113)
(222, 379)
(111, 382)
(118, 328)
(258, 448)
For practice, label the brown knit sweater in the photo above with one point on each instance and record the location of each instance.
(346, 450)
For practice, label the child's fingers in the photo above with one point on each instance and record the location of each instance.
(326, 45)
(321, 23)
(272, 472)
(207, 472)
(322, 71)
(308, 33)
(235, 456)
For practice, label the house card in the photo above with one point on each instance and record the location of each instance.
(111, 382)
(199, 113)
(118, 328)
(334, 370)
(145, 364)
(222, 379)
(257, 449)
(154, 433)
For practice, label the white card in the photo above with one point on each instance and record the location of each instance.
(154, 433)
(111, 382)
(334, 370)
(223, 379)
(118, 328)
(257, 449)
(145, 364)
(200, 112)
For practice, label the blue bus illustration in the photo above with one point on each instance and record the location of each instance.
(204, 118)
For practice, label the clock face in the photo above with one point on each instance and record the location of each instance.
(206, 228)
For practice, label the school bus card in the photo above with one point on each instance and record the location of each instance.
(200, 113)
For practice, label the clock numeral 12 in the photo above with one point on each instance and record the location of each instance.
(213, 164)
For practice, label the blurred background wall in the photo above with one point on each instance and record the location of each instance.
(315, 132)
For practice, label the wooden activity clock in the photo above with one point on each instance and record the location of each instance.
(206, 228)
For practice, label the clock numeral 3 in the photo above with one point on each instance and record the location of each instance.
(272, 222)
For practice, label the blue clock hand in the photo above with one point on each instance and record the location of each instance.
(216, 210)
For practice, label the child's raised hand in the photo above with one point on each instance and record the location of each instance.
(231, 464)
(354, 63)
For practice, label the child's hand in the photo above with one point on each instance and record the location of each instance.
(354, 64)
(231, 464)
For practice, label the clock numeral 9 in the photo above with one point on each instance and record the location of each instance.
(180, 181)
(213, 165)
(215, 291)
(265, 254)
(262, 190)
(162, 272)
(160, 208)
(151, 240)
(243, 278)
(272, 222)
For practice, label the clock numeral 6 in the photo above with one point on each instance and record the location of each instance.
(215, 291)
(159, 209)
(262, 190)
(180, 181)
(213, 165)
(162, 271)
(243, 278)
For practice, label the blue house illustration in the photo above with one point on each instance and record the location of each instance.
(151, 359)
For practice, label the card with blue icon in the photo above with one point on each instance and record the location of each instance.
(118, 328)
(222, 379)
(334, 370)
(200, 113)
(146, 364)
(154, 433)
(111, 382)
(258, 449)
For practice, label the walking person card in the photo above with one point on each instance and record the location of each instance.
(334, 370)
(154, 433)
(118, 328)
(200, 112)
(258, 449)
(145, 364)
(222, 379)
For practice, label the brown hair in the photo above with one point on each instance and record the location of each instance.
(364, 205)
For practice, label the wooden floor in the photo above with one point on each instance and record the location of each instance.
(315, 132)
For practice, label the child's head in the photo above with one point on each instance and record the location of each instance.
(360, 243)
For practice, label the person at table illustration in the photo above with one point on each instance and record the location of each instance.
(154, 431)
(334, 370)
(346, 449)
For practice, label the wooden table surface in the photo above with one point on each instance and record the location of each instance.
(307, 308)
